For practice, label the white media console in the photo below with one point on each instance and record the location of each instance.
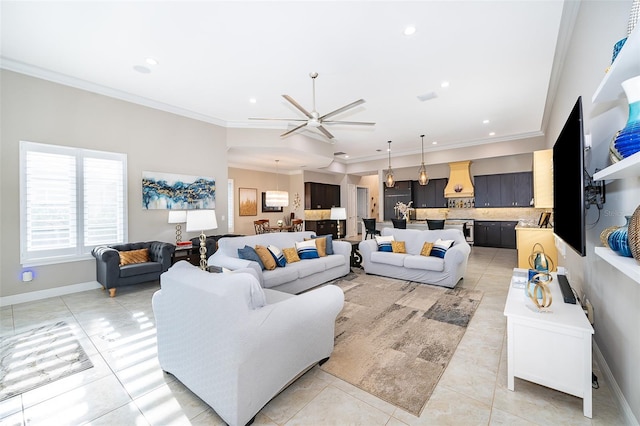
(551, 348)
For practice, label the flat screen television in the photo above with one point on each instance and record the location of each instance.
(569, 208)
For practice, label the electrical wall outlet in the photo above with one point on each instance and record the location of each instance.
(589, 307)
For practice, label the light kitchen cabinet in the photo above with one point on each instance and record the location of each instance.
(526, 239)
(543, 179)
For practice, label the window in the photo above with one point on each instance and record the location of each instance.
(71, 200)
(230, 204)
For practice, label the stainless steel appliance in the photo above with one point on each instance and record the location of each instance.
(465, 225)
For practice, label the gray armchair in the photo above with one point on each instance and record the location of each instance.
(111, 275)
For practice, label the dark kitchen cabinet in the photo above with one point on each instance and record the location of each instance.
(494, 233)
(324, 227)
(431, 195)
(402, 192)
(487, 190)
(321, 195)
(504, 190)
(508, 234)
(516, 189)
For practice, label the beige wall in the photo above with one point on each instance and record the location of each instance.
(40, 111)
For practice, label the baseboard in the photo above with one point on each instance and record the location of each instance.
(52, 292)
(630, 418)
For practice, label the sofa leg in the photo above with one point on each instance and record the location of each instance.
(112, 292)
(322, 361)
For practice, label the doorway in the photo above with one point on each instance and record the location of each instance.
(362, 206)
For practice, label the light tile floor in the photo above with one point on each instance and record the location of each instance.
(127, 387)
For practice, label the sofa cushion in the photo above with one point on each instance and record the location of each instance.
(266, 257)
(279, 276)
(334, 261)
(426, 249)
(249, 253)
(440, 248)
(311, 266)
(134, 269)
(321, 245)
(429, 263)
(329, 239)
(277, 255)
(395, 259)
(134, 256)
(398, 247)
(291, 254)
(307, 249)
(384, 243)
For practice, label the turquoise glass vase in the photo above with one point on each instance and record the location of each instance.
(619, 240)
(627, 141)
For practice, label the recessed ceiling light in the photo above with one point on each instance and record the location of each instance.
(485, 121)
(434, 143)
(252, 100)
(151, 61)
(346, 156)
(492, 133)
(410, 30)
(444, 84)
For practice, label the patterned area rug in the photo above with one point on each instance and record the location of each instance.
(395, 338)
(37, 357)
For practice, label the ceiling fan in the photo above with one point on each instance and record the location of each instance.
(314, 119)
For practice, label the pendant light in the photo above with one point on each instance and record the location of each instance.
(423, 177)
(389, 182)
(276, 198)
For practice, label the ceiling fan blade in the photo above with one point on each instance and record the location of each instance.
(325, 132)
(344, 108)
(297, 105)
(349, 122)
(288, 132)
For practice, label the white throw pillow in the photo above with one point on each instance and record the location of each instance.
(384, 243)
(440, 248)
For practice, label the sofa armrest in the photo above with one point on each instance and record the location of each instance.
(457, 254)
(342, 247)
(160, 251)
(234, 263)
(107, 265)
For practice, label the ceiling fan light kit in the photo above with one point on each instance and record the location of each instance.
(313, 119)
(389, 180)
(423, 177)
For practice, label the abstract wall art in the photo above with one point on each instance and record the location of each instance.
(177, 192)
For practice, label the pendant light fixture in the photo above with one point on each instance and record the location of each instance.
(389, 181)
(276, 198)
(423, 177)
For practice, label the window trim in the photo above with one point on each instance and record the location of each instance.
(80, 251)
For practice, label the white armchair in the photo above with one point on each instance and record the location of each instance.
(236, 345)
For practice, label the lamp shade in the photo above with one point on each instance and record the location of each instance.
(276, 199)
(338, 213)
(201, 220)
(177, 216)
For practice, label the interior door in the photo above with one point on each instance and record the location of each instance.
(352, 212)
(363, 207)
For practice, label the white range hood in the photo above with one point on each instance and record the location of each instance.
(459, 185)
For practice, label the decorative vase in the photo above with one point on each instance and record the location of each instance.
(604, 235)
(619, 240)
(627, 140)
(634, 234)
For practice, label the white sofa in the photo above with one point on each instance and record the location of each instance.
(294, 277)
(412, 266)
(235, 344)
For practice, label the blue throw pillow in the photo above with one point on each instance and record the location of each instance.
(307, 250)
(329, 242)
(277, 255)
(249, 253)
(440, 248)
(384, 243)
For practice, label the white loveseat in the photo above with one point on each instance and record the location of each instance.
(412, 266)
(235, 344)
(294, 277)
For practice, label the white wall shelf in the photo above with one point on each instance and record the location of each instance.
(624, 67)
(626, 168)
(627, 265)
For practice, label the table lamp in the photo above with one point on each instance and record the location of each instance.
(178, 217)
(202, 220)
(338, 214)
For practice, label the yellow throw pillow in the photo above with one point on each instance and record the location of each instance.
(426, 249)
(321, 245)
(398, 247)
(134, 256)
(291, 254)
(266, 257)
